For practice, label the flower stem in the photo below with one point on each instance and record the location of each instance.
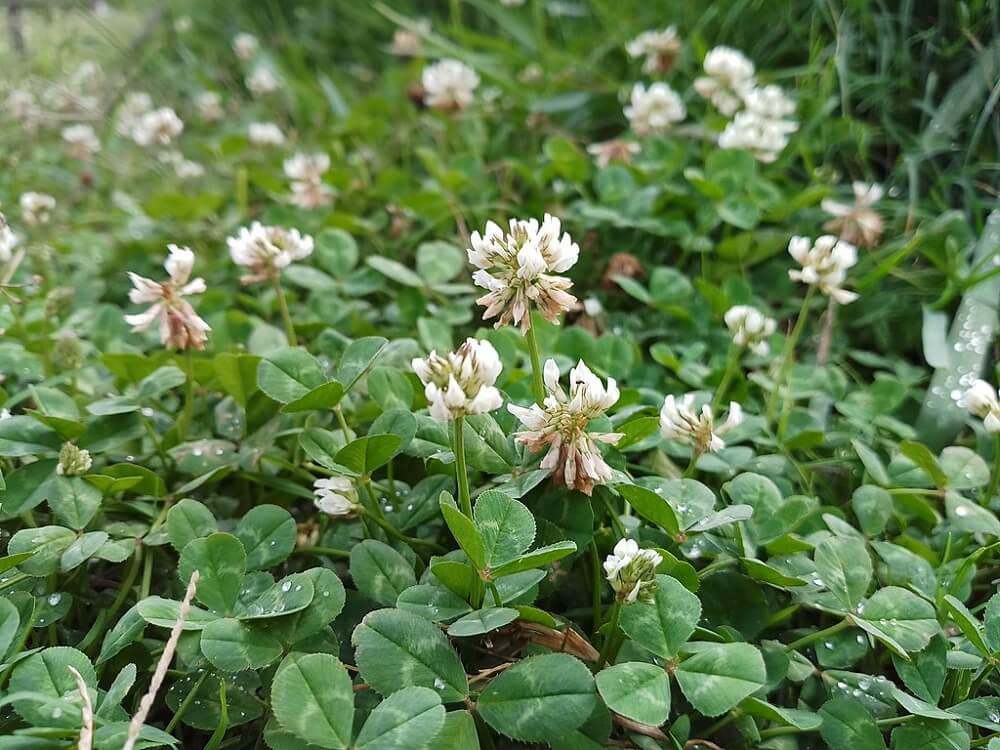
(394, 533)
(285, 315)
(692, 466)
(788, 355)
(818, 635)
(537, 384)
(185, 420)
(732, 363)
(461, 471)
(609, 650)
(991, 489)
(595, 567)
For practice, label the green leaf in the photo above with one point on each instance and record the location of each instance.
(482, 621)
(921, 455)
(221, 562)
(187, 521)
(438, 262)
(289, 374)
(10, 623)
(540, 698)
(507, 527)
(721, 675)
(458, 733)
(164, 613)
(312, 698)
(845, 568)
(924, 673)
(359, 356)
(267, 533)
(324, 396)
(900, 619)
(807, 721)
(991, 615)
(873, 507)
(980, 712)
(327, 602)
(394, 270)
(665, 624)
(637, 691)
(651, 506)
(47, 672)
(47, 543)
(466, 533)
(126, 631)
(380, 572)
(238, 375)
(536, 558)
(233, 646)
(366, 454)
(968, 624)
(930, 734)
(405, 720)
(397, 649)
(847, 725)
(291, 594)
(487, 447)
(434, 603)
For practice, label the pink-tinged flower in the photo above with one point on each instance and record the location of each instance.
(449, 85)
(82, 141)
(559, 426)
(614, 150)
(306, 173)
(824, 265)
(461, 382)
(981, 400)
(680, 422)
(180, 326)
(858, 223)
(36, 208)
(658, 48)
(265, 250)
(517, 269)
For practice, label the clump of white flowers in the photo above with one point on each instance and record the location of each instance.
(449, 85)
(265, 134)
(614, 150)
(336, 496)
(209, 106)
(680, 422)
(517, 269)
(262, 80)
(183, 167)
(20, 104)
(36, 208)
(461, 382)
(764, 126)
(981, 400)
(265, 250)
(655, 109)
(8, 241)
(82, 141)
(559, 426)
(158, 127)
(245, 46)
(750, 328)
(73, 461)
(658, 48)
(306, 173)
(180, 326)
(729, 78)
(135, 105)
(824, 265)
(858, 223)
(631, 571)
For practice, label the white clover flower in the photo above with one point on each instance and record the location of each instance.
(824, 265)
(158, 127)
(655, 109)
(517, 270)
(764, 138)
(614, 150)
(21, 105)
(449, 85)
(981, 400)
(336, 496)
(461, 382)
(407, 42)
(245, 46)
(860, 223)
(82, 141)
(769, 102)
(135, 105)
(632, 571)
(659, 48)
(184, 168)
(262, 80)
(36, 208)
(180, 325)
(73, 461)
(750, 328)
(265, 250)
(306, 173)
(5, 414)
(559, 426)
(730, 77)
(680, 422)
(265, 134)
(209, 106)
(8, 241)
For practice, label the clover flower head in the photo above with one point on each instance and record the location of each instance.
(306, 173)
(654, 109)
(559, 427)
(133, 107)
(265, 250)
(824, 265)
(21, 105)
(265, 134)
(82, 141)
(8, 241)
(461, 382)
(180, 326)
(36, 208)
(679, 421)
(750, 328)
(858, 223)
(614, 150)
(262, 80)
(73, 461)
(518, 268)
(245, 46)
(981, 400)
(449, 85)
(336, 496)
(631, 571)
(209, 106)
(158, 127)
(729, 76)
(658, 48)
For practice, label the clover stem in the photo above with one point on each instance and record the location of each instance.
(692, 466)
(991, 489)
(283, 307)
(461, 471)
(818, 635)
(185, 420)
(394, 533)
(732, 362)
(537, 383)
(788, 355)
(595, 566)
(609, 650)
